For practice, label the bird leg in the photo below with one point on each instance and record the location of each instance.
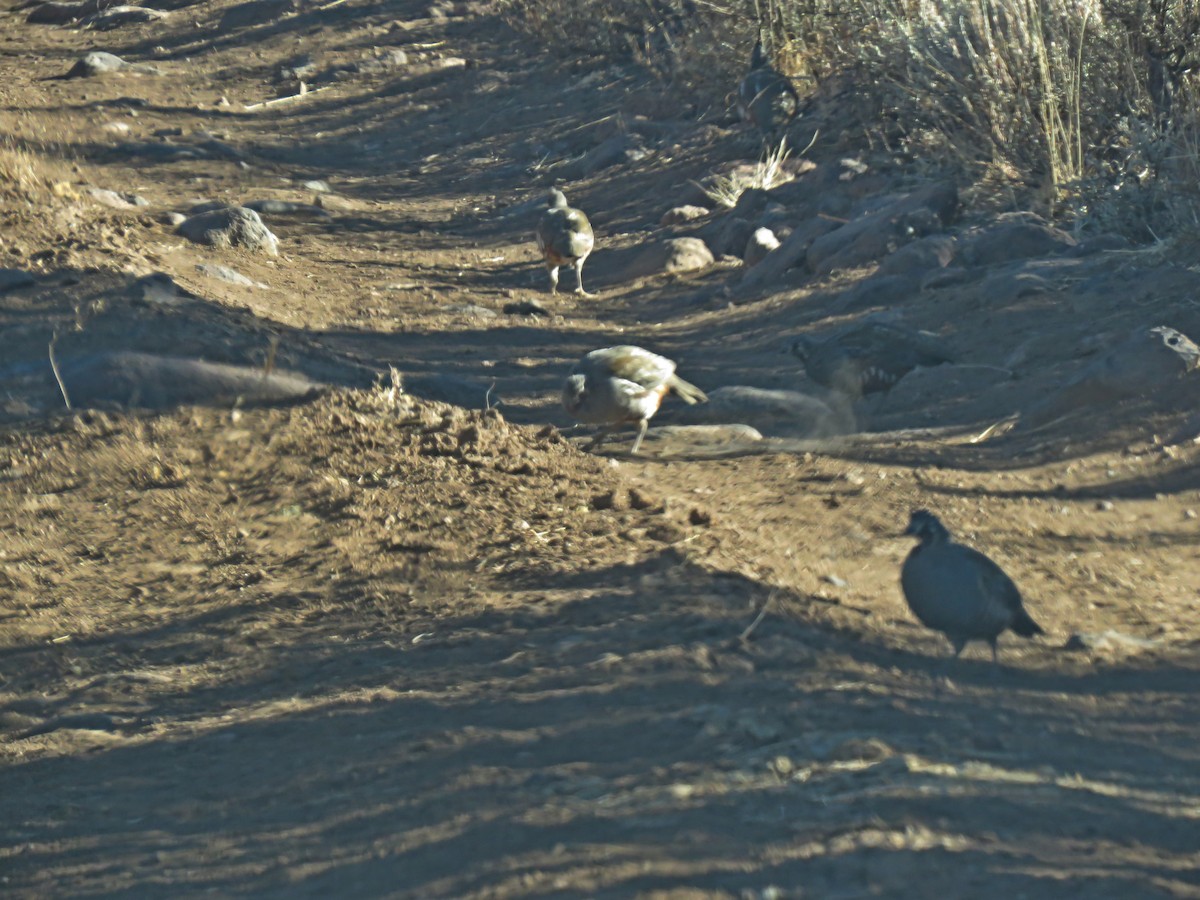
(637, 442)
(553, 279)
(579, 279)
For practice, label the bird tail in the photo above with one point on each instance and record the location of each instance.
(688, 392)
(1024, 625)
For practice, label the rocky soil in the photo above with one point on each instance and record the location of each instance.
(312, 591)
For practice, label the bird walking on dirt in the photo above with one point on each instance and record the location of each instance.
(869, 358)
(564, 235)
(765, 98)
(621, 386)
(957, 590)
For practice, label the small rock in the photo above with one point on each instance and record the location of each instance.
(933, 252)
(670, 256)
(1107, 640)
(680, 214)
(287, 208)
(174, 218)
(470, 309)
(761, 242)
(1105, 505)
(526, 308)
(117, 200)
(316, 186)
(384, 61)
(224, 273)
(118, 16)
(1017, 238)
(231, 227)
(775, 412)
(158, 288)
(100, 63)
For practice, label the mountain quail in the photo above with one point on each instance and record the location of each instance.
(868, 358)
(765, 98)
(564, 235)
(622, 385)
(957, 590)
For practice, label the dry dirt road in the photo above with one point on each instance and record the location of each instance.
(370, 645)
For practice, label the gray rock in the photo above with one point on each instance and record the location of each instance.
(384, 61)
(779, 413)
(100, 63)
(621, 148)
(1108, 640)
(118, 16)
(1012, 239)
(62, 13)
(287, 208)
(224, 273)
(791, 252)
(672, 255)
(762, 242)
(147, 381)
(680, 214)
(470, 309)
(117, 199)
(231, 227)
(723, 436)
(158, 289)
(316, 186)
(12, 279)
(933, 252)
(526, 308)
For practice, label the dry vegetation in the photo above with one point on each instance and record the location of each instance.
(1084, 111)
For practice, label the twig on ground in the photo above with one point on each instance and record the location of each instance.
(57, 374)
(745, 635)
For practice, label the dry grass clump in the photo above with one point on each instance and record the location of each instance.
(768, 172)
(1081, 109)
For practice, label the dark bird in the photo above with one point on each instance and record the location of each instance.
(623, 386)
(957, 590)
(868, 358)
(564, 235)
(765, 98)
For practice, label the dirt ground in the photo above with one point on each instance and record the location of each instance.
(376, 645)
